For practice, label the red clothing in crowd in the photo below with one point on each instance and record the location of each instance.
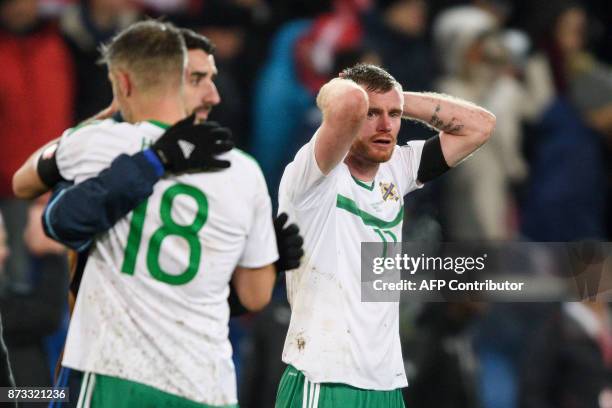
(36, 96)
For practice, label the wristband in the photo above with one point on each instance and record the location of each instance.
(152, 158)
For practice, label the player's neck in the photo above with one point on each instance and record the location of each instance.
(167, 110)
(361, 169)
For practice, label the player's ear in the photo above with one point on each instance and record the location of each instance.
(122, 82)
(126, 83)
(117, 81)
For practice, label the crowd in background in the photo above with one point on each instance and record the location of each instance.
(542, 67)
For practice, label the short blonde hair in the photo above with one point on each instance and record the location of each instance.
(153, 51)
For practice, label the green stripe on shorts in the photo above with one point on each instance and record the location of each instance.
(296, 391)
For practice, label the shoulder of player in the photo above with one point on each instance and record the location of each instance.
(395, 157)
(397, 160)
(84, 137)
(242, 159)
(90, 127)
(412, 144)
(242, 166)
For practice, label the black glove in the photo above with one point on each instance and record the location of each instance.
(187, 146)
(289, 244)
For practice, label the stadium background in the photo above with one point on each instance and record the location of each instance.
(541, 66)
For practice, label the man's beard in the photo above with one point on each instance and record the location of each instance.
(365, 152)
(202, 112)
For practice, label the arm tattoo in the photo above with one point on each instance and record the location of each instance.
(450, 127)
(435, 121)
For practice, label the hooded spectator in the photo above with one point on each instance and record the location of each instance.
(478, 68)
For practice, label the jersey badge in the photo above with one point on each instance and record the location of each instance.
(389, 191)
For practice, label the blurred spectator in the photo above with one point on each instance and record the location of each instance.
(29, 317)
(499, 9)
(303, 57)
(229, 25)
(569, 362)
(287, 10)
(263, 366)
(279, 102)
(36, 103)
(165, 6)
(477, 67)
(445, 366)
(238, 28)
(86, 25)
(502, 335)
(571, 94)
(564, 67)
(396, 30)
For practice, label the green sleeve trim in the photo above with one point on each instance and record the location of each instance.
(349, 205)
(362, 184)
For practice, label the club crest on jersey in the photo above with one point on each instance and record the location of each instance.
(388, 191)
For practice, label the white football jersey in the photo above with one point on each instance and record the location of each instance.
(152, 305)
(333, 336)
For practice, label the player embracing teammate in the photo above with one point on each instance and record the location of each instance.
(165, 230)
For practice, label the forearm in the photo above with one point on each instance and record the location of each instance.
(344, 105)
(463, 126)
(447, 114)
(236, 307)
(254, 286)
(27, 184)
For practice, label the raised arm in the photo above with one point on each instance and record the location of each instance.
(344, 105)
(463, 126)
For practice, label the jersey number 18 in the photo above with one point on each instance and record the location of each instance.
(169, 227)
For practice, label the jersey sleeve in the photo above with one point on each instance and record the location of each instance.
(410, 159)
(81, 153)
(303, 183)
(260, 249)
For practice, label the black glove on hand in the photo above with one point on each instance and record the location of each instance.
(289, 244)
(187, 146)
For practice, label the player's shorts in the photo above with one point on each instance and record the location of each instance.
(296, 391)
(102, 391)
